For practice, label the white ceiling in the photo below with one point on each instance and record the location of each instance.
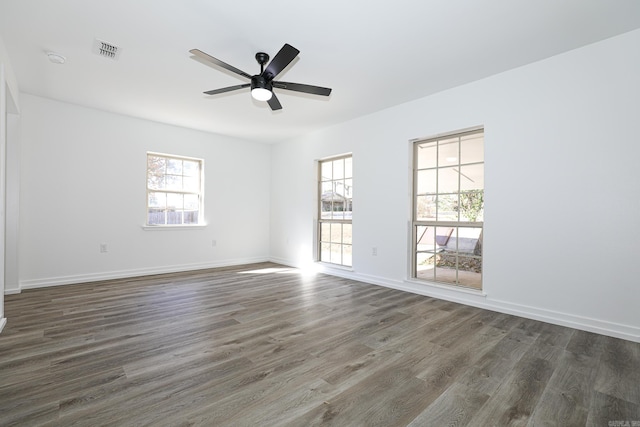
(374, 54)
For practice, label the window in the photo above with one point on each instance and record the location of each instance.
(448, 209)
(335, 205)
(174, 190)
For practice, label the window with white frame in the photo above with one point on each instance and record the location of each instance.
(174, 190)
(448, 209)
(335, 206)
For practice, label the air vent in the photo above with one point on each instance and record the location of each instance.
(106, 49)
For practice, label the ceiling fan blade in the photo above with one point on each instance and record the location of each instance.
(298, 87)
(279, 62)
(209, 58)
(274, 103)
(227, 89)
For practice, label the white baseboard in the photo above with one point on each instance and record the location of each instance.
(3, 322)
(589, 324)
(283, 261)
(462, 296)
(481, 300)
(123, 274)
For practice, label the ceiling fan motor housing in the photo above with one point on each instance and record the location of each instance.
(261, 82)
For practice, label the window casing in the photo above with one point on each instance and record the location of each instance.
(448, 209)
(335, 208)
(174, 190)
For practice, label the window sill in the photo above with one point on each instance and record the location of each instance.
(173, 227)
(446, 287)
(329, 266)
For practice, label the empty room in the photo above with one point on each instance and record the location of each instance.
(410, 213)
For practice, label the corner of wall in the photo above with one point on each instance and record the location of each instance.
(13, 105)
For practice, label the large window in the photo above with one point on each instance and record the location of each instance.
(174, 190)
(335, 206)
(448, 209)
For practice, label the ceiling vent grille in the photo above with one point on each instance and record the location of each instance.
(106, 49)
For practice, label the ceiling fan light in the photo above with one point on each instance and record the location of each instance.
(260, 88)
(261, 94)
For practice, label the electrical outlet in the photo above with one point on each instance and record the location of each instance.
(214, 243)
(103, 248)
(374, 251)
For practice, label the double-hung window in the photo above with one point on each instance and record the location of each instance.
(335, 207)
(174, 190)
(448, 209)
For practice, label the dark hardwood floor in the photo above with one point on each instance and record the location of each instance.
(262, 345)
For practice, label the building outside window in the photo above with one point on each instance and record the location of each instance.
(448, 209)
(335, 206)
(174, 190)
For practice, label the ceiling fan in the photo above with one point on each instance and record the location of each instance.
(262, 84)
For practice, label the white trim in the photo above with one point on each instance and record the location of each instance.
(174, 227)
(461, 296)
(440, 287)
(603, 327)
(326, 266)
(457, 224)
(174, 156)
(284, 262)
(443, 135)
(480, 300)
(3, 322)
(124, 274)
(318, 220)
(12, 291)
(199, 193)
(3, 175)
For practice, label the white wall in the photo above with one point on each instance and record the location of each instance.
(562, 236)
(3, 163)
(12, 94)
(83, 175)
(8, 104)
(12, 222)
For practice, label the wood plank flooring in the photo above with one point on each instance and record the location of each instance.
(263, 345)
